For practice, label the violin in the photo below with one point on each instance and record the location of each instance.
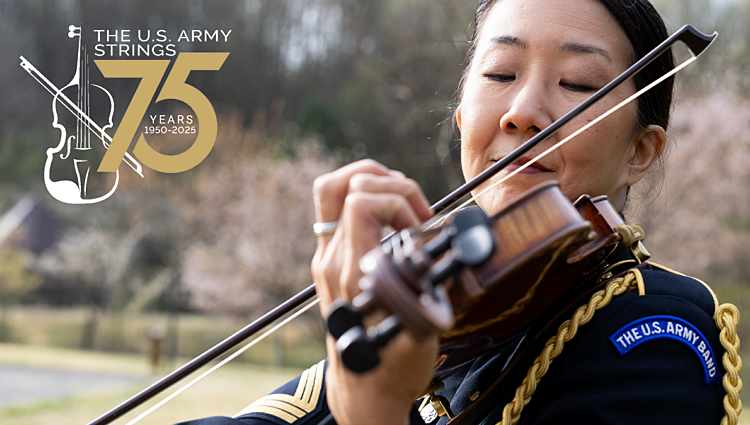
(478, 279)
(68, 168)
(75, 138)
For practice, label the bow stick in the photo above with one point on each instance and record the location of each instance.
(696, 41)
(78, 113)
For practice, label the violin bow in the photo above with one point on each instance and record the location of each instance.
(696, 42)
(81, 116)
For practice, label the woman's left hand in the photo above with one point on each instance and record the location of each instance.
(363, 197)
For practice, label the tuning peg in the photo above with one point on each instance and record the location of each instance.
(470, 217)
(474, 246)
(440, 243)
(471, 248)
(356, 351)
(342, 317)
(359, 350)
(463, 221)
(72, 31)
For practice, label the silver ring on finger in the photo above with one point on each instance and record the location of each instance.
(322, 229)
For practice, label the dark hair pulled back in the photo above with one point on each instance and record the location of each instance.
(645, 29)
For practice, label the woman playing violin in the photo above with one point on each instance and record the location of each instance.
(529, 63)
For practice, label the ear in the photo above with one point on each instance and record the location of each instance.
(646, 150)
(458, 117)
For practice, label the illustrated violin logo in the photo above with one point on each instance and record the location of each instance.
(75, 155)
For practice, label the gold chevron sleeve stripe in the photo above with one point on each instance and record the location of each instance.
(304, 381)
(287, 407)
(273, 411)
(315, 384)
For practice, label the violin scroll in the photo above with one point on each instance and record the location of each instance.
(403, 278)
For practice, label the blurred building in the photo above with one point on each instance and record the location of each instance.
(29, 225)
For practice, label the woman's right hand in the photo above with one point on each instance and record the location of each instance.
(363, 197)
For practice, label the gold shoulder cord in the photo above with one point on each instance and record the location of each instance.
(566, 332)
(727, 317)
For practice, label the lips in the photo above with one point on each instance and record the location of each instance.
(534, 168)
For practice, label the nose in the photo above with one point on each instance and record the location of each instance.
(527, 113)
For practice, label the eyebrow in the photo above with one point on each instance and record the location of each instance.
(565, 47)
(583, 48)
(508, 40)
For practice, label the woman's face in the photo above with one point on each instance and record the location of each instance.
(536, 60)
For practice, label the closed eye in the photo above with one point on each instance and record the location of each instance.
(577, 87)
(501, 78)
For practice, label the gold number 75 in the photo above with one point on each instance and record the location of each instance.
(151, 73)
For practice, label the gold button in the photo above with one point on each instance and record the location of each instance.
(474, 396)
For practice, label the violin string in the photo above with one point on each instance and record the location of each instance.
(85, 97)
(82, 94)
(82, 101)
(76, 114)
(564, 141)
(79, 93)
(80, 105)
(70, 106)
(85, 119)
(223, 362)
(88, 97)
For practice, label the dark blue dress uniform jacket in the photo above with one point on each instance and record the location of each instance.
(661, 378)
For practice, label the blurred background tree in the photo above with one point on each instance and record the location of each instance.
(17, 283)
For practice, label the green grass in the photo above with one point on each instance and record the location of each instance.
(84, 361)
(225, 392)
(298, 344)
(46, 336)
(49, 338)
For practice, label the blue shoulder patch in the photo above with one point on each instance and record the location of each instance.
(648, 328)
